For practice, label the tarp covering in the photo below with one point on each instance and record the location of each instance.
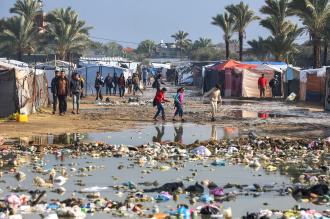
(250, 82)
(89, 74)
(230, 64)
(267, 67)
(22, 89)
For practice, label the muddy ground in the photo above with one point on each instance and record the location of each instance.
(271, 117)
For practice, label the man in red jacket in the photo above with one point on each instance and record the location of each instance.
(262, 85)
(158, 101)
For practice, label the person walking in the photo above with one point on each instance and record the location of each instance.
(178, 103)
(215, 96)
(53, 90)
(121, 85)
(144, 77)
(158, 82)
(75, 91)
(82, 83)
(129, 84)
(108, 84)
(62, 88)
(99, 83)
(262, 85)
(115, 83)
(136, 84)
(159, 100)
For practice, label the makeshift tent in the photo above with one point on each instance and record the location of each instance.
(312, 84)
(231, 64)
(229, 80)
(22, 89)
(250, 81)
(291, 81)
(89, 74)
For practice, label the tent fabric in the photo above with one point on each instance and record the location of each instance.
(24, 90)
(89, 74)
(267, 67)
(232, 64)
(250, 82)
(262, 62)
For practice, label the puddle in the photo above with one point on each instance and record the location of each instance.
(185, 133)
(110, 175)
(260, 115)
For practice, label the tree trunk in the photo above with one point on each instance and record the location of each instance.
(317, 52)
(325, 53)
(19, 55)
(240, 38)
(227, 49)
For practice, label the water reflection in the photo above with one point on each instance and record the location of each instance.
(178, 135)
(214, 133)
(160, 133)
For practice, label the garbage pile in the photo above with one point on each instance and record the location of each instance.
(305, 161)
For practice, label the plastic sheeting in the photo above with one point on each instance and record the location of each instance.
(250, 82)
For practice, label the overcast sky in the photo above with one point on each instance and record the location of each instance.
(137, 20)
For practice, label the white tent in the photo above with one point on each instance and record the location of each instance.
(267, 67)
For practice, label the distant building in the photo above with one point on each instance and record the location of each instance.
(166, 50)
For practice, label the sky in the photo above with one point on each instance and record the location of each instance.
(131, 21)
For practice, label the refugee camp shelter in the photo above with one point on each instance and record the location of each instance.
(291, 78)
(222, 73)
(312, 84)
(249, 84)
(22, 89)
(89, 74)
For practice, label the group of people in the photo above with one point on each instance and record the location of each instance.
(114, 83)
(62, 87)
(178, 99)
(274, 84)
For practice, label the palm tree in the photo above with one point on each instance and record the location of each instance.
(202, 43)
(27, 8)
(181, 41)
(326, 37)
(258, 48)
(277, 11)
(19, 35)
(243, 16)
(313, 14)
(226, 23)
(66, 31)
(284, 32)
(283, 45)
(146, 47)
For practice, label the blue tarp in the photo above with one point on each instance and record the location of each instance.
(260, 63)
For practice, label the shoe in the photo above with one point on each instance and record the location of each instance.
(77, 112)
(173, 120)
(155, 118)
(53, 112)
(73, 112)
(61, 114)
(182, 120)
(163, 118)
(213, 119)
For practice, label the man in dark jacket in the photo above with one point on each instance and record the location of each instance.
(115, 83)
(99, 83)
(108, 84)
(75, 91)
(53, 90)
(62, 91)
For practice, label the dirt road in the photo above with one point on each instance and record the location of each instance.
(269, 117)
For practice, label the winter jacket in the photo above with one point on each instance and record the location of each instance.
(75, 86)
(121, 82)
(62, 86)
(99, 82)
(160, 97)
(53, 85)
